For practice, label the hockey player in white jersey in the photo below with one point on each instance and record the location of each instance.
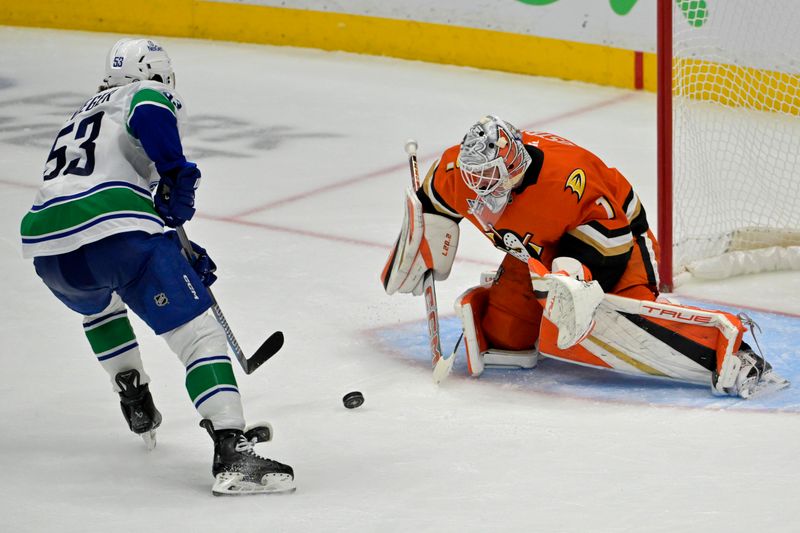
(116, 175)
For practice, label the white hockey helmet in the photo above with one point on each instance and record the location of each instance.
(492, 157)
(132, 60)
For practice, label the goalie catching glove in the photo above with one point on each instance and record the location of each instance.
(572, 297)
(426, 242)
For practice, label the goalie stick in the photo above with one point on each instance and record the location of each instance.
(267, 349)
(441, 366)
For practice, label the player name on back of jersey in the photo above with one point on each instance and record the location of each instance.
(95, 101)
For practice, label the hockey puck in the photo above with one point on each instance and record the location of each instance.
(353, 399)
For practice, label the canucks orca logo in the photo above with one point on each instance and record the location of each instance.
(576, 182)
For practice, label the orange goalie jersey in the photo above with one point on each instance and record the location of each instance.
(569, 203)
(538, 196)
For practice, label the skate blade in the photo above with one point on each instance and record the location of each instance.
(232, 484)
(769, 383)
(149, 438)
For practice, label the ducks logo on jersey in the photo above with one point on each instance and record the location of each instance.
(576, 182)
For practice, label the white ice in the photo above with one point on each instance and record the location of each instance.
(303, 164)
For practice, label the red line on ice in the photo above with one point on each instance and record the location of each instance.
(400, 166)
(318, 235)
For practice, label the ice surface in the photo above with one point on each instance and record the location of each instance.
(303, 165)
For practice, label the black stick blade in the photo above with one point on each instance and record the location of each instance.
(269, 348)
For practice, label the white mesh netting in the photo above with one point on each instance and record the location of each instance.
(736, 136)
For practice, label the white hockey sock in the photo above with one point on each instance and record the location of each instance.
(202, 348)
(113, 342)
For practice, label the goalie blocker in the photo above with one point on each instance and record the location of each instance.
(426, 242)
(582, 325)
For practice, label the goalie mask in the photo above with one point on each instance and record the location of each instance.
(132, 60)
(492, 161)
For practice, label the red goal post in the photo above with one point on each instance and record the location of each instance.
(728, 138)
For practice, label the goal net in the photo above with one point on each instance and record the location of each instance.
(734, 93)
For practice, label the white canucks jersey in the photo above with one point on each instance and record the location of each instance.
(98, 179)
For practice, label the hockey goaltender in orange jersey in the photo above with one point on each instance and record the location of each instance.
(552, 205)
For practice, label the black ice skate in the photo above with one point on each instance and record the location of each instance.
(137, 406)
(239, 470)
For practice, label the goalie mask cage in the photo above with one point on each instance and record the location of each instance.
(728, 137)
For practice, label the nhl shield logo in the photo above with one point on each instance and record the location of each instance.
(161, 299)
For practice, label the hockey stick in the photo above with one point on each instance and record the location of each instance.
(267, 349)
(441, 366)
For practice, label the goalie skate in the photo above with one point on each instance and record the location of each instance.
(238, 470)
(768, 383)
(752, 376)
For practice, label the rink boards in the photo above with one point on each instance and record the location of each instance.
(410, 341)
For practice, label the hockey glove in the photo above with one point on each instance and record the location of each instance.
(201, 262)
(427, 241)
(571, 301)
(174, 199)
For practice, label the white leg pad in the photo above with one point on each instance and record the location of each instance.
(624, 346)
(464, 310)
(479, 355)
